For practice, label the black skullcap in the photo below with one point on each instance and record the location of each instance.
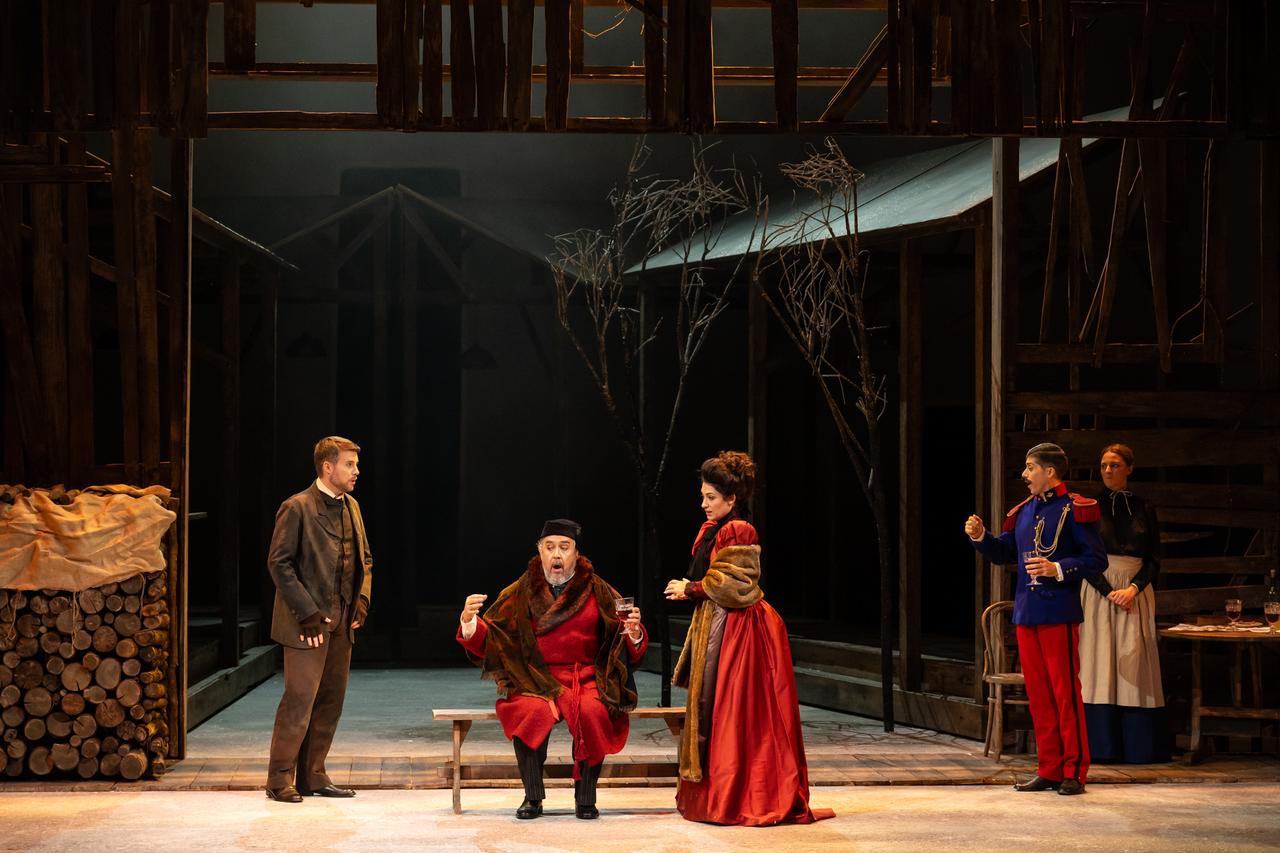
(561, 527)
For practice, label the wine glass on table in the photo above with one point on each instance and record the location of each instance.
(1271, 610)
(1234, 606)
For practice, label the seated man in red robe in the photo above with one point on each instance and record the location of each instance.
(555, 645)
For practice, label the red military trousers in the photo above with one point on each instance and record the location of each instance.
(1051, 664)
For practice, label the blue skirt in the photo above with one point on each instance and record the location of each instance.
(1122, 735)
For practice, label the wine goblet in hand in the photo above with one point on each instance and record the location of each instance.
(1028, 558)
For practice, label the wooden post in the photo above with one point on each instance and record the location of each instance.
(432, 64)
(519, 62)
(910, 476)
(156, 65)
(240, 34)
(490, 62)
(655, 95)
(79, 323)
(1055, 23)
(700, 67)
(189, 98)
(462, 64)
(102, 14)
(786, 62)
(894, 25)
(577, 37)
(962, 15)
(122, 216)
(1008, 71)
(67, 32)
(556, 108)
(179, 350)
(985, 590)
(410, 71)
(1004, 282)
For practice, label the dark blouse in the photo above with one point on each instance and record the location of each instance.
(1129, 528)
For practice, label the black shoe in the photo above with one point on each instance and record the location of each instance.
(1038, 783)
(1070, 787)
(586, 812)
(327, 791)
(529, 809)
(287, 794)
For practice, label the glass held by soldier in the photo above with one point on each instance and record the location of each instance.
(559, 648)
(1053, 539)
(322, 567)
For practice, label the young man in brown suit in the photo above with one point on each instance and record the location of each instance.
(320, 561)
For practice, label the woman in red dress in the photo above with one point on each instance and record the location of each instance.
(741, 753)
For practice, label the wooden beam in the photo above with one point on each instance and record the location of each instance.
(462, 90)
(102, 14)
(240, 33)
(67, 41)
(1006, 27)
(700, 67)
(1057, 213)
(410, 69)
(40, 173)
(432, 64)
(860, 79)
(157, 65)
(962, 27)
(123, 209)
(910, 475)
(1055, 68)
(556, 104)
(1250, 407)
(1112, 353)
(189, 97)
(519, 62)
(895, 24)
(577, 39)
(1158, 448)
(785, 24)
(490, 63)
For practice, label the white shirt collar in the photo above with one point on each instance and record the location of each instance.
(328, 491)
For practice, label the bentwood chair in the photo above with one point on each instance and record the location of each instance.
(999, 672)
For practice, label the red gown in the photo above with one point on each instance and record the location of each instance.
(755, 773)
(570, 652)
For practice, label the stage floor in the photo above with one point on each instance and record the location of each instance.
(1201, 818)
(388, 740)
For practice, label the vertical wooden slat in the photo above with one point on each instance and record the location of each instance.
(677, 62)
(128, 59)
(490, 62)
(700, 68)
(1213, 259)
(1007, 67)
(1054, 61)
(785, 21)
(910, 476)
(519, 62)
(432, 64)
(655, 83)
(982, 68)
(1100, 311)
(102, 37)
(556, 108)
(1005, 221)
(156, 65)
(23, 385)
(189, 96)
(895, 27)
(923, 15)
(409, 52)
(229, 487)
(145, 271)
(79, 324)
(390, 46)
(68, 36)
(1080, 208)
(1058, 212)
(49, 317)
(1152, 160)
(122, 218)
(462, 64)
(240, 34)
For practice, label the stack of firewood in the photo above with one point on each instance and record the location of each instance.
(84, 678)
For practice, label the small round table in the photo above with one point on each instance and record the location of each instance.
(1242, 639)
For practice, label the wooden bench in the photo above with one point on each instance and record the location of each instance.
(462, 719)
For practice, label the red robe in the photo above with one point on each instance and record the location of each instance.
(570, 652)
(755, 772)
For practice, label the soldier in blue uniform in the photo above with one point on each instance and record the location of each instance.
(1053, 538)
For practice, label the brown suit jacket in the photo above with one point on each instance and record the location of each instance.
(301, 560)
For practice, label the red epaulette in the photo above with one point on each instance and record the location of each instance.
(1084, 509)
(1011, 517)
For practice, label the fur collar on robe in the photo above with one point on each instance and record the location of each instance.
(526, 610)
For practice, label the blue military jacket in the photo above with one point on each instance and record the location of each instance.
(1079, 551)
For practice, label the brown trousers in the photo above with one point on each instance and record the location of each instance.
(315, 685)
